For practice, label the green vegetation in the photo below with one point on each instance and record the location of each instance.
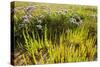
(55, 33)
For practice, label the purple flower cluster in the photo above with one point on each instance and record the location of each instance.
(76, 19)
(62, 11)
(29, 9)
(39, 26)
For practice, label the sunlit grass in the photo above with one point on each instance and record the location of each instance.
(56, 36)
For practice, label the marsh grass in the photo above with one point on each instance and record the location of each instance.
(51, 37)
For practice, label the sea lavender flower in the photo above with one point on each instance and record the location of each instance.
(30, 9)
(66, 11)
(76, 19)
(14, 10)
(39, 26)
(49, 11)
(81, 21)
(22, 25)
(63, 13)
(59, 12)
(39, 21)
(29, 15)
(25, 19)
(72, 20)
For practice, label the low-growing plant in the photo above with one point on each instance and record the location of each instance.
(56, 36)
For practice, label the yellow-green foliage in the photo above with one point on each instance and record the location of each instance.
(59, 40)
(73, 47)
